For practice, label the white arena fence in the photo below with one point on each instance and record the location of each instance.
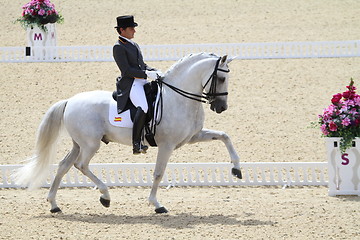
(189, 174)
(276, 50)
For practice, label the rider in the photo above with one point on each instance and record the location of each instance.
(134, 73)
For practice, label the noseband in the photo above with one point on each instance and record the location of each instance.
(210, 96)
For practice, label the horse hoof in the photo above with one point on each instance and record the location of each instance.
(55, 210)
(236, 172)
(161, 210)
(105, 202)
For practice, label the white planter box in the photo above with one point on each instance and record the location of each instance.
(343, 169)
(38, 41)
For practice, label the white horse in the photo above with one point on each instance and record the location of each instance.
(85, 117)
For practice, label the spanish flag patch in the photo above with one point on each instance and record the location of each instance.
(117, 119)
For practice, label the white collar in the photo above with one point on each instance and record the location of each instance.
(130, 41)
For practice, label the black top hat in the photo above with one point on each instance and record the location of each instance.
(125, 21)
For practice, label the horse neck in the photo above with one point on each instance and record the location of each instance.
(192, 77)
(189, 78)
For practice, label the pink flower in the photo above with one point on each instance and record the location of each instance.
(349, 94)
(324, 129)
(349, 103)
(357, 100)
(48, 3)
(344, 109)
(351, 88)
(346, 122)
(326, 118)
(26, 5)
(353, 111)
(332, 127)
(329, 110)
(41, 12)
(336, 98)
(342, 116)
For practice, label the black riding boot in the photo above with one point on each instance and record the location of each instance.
(139, 122)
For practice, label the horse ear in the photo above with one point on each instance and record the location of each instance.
(231, 58)
(223, 59)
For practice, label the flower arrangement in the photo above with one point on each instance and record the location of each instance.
(342, 117)
(38, 13)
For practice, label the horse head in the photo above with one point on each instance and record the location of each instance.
(214, 79)
(219, 86)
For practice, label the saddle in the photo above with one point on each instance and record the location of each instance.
(151, 90)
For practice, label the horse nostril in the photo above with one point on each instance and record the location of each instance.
(219, 110)
(222, 109)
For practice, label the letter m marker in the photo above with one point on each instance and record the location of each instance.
(37, 37)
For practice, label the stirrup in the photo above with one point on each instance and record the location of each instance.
(139, 148)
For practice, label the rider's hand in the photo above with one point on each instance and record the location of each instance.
(160, 73)
(154, 74)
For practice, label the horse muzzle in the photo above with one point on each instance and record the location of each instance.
(218, 105)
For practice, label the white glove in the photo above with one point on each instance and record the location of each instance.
(154, 74)
(160, 73)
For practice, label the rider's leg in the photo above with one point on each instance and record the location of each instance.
(137, 96)
(139, 122)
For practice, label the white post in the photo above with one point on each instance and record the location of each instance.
(343, 168)
(39, 41)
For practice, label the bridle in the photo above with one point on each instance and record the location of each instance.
(208, 97)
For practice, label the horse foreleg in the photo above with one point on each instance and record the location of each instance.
(161, 162)
(83, 165)
(206, 135)
(63, 168)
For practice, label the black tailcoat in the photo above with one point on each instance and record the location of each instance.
(130, 61)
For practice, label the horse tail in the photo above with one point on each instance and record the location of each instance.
(36, 169)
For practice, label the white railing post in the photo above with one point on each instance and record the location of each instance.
(189, 174)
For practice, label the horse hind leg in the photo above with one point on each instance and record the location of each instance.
(82, 163)
(63, 168)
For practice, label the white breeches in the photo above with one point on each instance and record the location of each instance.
(137, 94)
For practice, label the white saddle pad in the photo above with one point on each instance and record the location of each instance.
(123, 119)
(119, 120)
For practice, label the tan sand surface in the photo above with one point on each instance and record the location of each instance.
(196, 213)
(271, 105)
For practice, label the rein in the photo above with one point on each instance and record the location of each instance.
(207, 96)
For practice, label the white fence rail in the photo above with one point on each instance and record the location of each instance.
(283, 50)
(188, 174)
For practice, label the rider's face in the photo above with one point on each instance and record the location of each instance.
(128, 32)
